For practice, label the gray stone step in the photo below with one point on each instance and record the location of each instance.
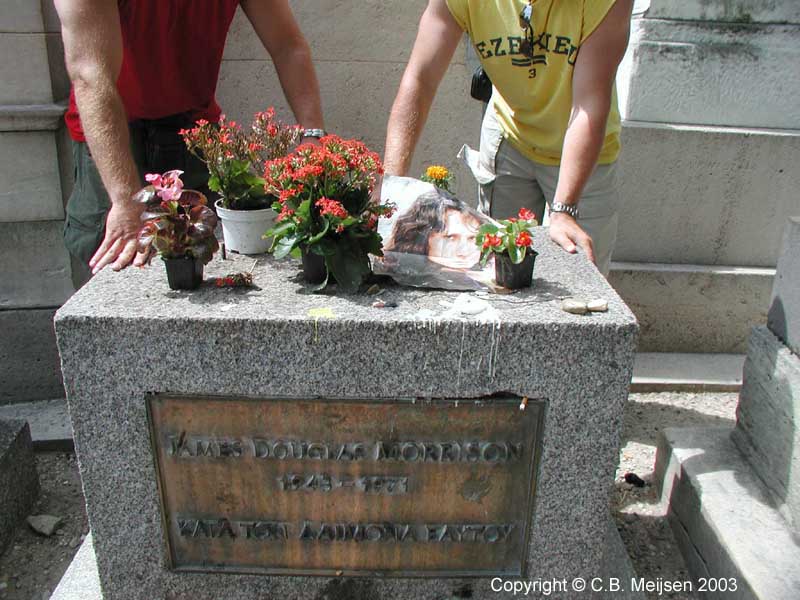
(49, 422)
(665, 371)
(740, 11)
(723, 517)
(19, 481)
(702, 195)
(783, 318)
(694, 308)
(710, 73)
(768, 419)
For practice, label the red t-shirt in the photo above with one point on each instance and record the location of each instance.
(172, 50)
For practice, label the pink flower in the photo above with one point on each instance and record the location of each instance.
(169, 185)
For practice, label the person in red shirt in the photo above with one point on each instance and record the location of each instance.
(141, 70)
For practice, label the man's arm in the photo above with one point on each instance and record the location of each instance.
(276, 27)
(437, 40)
(592, 85)
(93, 54)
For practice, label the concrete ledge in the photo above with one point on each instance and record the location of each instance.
(722, 516)
(741, 11)
(700, 72)
(724, 192)
(29, 365)
(693, 308)
(35, 271)
(21, 16)
(30, 186)
(19, 481)
(768, 419)
(31, 117)
(783, 318)
(24, 70)
(665, 371)
(48, 421)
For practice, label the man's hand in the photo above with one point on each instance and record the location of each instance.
(565, 231)
(119, 247)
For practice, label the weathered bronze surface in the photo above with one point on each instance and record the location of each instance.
(323, 487)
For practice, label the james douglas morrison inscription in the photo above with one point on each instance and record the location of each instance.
(426, 488)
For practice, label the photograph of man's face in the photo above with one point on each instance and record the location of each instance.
(454, 246)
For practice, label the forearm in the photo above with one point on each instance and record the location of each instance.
(406, 122)
(106, 128)
(582, 145)
(299, 83)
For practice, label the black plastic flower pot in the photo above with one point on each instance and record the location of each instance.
(314, 269)
(184, 273)
(512, 276)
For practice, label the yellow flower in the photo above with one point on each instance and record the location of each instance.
(437, 172)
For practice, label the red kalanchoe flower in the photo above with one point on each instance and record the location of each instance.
(526, 214)
(524, 239)
(491, 241)
(285, 213)
(330, 207)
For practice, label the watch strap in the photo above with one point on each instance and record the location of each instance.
(315, 133)
(560, 207)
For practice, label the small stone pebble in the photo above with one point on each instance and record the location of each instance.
(574, 306)
(598, 305)
(44, 524)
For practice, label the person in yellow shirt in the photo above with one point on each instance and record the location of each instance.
(551, 130)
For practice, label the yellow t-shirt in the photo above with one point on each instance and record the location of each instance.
(533, 97)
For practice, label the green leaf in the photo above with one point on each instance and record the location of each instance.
(326, 226)
(280, 229)
(349, 265)
(513, 253)
(284, 246)
(488, 228)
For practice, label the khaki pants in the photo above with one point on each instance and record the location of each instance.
(510, 181)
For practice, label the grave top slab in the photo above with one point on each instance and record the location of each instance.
(280, 295)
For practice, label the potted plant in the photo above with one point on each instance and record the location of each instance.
(233, 156)
(325, 210)
(180, 226)
(510, 241)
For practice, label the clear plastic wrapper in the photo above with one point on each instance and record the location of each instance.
(430, 239)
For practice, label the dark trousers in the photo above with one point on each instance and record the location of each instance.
(156, 147)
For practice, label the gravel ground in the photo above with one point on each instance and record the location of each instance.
(32, 566)
(640, 517)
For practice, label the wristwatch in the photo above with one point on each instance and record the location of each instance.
(560, 207)
(315, 133)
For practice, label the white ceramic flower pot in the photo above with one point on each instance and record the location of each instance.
(243, 229)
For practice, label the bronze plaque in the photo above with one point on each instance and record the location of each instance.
(330, 487)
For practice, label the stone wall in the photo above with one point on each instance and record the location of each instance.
(360, 51)
(35, 273)
(710, 138)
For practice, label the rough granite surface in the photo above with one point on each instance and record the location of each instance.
(19, 480)
(784, 311)
(768, 417)
(126, 334)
